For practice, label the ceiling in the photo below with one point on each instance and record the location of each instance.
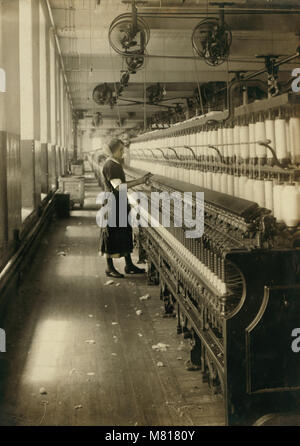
(258, 27)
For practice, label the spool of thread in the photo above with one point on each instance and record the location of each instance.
(288, 139)
(290, 205)
(189, 140)
(200, 178)
(218, 182)
(214, 137)
(251, 189)
(186, 175)
(248, 189)
(197, 142)
(280, 137)
(242, 183)
(277, 201)
(240, 187)
(225, 146)
(203, 148)
(205, 179)
(220, 140)
(230, 185)
(295, 139)
(182, 173)
(244, 146)
(212, 152)
(176, 172)
(259, 192)
(236, 138)
(189, 175)
(198, 150)
(236, 185)
(270, 134)
(214, 182)
(260, 135)
(209, 177)
(186, 139)
(269, 195)
(192, 177)
(224, 183)
(252, 151)
(230, 141)
(176, 141)
(205, 143)
(209, 138)
(193, 139)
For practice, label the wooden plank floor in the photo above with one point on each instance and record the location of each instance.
(112, 380)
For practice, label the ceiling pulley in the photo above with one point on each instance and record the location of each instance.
(211, 39)
(129, 34)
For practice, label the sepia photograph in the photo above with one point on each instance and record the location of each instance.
(150, 216)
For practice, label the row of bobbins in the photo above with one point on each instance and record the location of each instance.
(282, 198)
(239, 148)
(236, 141)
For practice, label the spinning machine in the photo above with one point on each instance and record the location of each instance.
(236, 289)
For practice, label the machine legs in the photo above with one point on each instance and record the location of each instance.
(168, 301)
(200, 358)
(152, 274)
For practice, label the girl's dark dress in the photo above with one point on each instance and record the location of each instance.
(115, 241)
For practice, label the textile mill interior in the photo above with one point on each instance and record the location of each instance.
(194, 106)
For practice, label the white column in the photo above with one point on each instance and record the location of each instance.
(58, 110)
(2, 93)
(36, 100)
(52, 59)
(52, 89)
(3, 184)
(26, 70)
(43, 78)
(44, 98)
(3, 76)
(62, 111)
(26, 106)
(10, 15)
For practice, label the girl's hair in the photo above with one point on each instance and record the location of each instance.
(114, 145)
